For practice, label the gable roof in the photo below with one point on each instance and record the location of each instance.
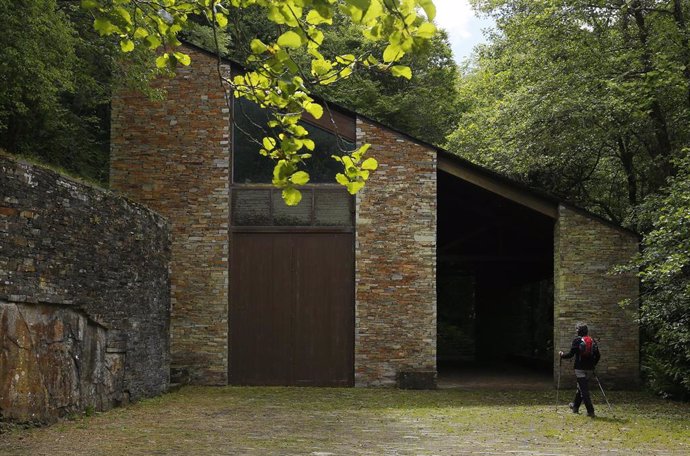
(492, 181)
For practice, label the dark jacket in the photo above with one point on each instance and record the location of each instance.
(587, 363)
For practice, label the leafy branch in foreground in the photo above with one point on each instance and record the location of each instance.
(276, 82)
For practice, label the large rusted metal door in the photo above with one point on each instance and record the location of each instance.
(292, 309)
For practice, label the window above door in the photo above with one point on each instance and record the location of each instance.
(249, 167)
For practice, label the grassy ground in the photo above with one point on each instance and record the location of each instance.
(321, 422)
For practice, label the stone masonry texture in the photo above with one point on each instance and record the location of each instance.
(84, 295)
(174, 156)
(395, 304)
(585, 252)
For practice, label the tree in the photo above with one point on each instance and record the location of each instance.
(587, 100)
(665, 273)
(57, 76)
(274, 79)
(432, 90)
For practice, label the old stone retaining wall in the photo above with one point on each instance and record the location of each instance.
(585, 252)
(84, 296)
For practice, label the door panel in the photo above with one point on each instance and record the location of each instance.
(292, 309)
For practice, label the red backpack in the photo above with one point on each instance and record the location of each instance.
(589, 349)
(586, 344)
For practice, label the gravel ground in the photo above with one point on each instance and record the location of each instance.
(329, 421)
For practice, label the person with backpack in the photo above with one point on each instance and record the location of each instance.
(586, 353)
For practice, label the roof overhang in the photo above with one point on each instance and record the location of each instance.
(497, 184)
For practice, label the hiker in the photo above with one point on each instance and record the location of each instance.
(586, 353)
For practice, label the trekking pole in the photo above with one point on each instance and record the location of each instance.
(558, 383)
(602, 391)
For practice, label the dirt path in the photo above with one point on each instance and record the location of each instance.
(323, 422)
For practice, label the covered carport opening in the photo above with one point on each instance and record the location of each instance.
(494, 278)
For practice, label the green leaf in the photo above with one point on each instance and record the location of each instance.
(127, 45)
(357, 155)
(401, 71)
(124, 14)
(429, 8)
(345, 59)
(299, 178)
(140, 33)
(162, 60)
(153, 41)
(269, 143)
(309, 144)
(370, 164)
(275, 15)
(342, 179)
(104, 27)
(184, 59)
(321, 67)
(354, 187)
(281, 172)
(426, 30)
(314, 18)
(392, 53)
(89, 4)
(373, 12)
(292, 196)
(290, 39)
(221, 20)
(314, 109)
(258, 47)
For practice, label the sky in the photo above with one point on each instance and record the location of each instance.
(463, 27)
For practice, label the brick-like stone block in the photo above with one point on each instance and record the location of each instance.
(586, 290)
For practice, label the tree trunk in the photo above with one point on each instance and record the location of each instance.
(627, 157)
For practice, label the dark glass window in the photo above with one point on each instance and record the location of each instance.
(249, 167)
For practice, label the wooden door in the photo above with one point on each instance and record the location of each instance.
(292, 309)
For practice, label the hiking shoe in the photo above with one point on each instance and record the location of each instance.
(591, 415)
(572, 407)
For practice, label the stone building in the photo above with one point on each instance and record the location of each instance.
(436, 261)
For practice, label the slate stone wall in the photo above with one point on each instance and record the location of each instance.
(395, 316)
(174, 157)
(66, 245)
(585, 251)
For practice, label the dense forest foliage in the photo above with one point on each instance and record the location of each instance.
(56, 77)
(588, 100)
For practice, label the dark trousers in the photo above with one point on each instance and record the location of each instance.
(582, 395)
